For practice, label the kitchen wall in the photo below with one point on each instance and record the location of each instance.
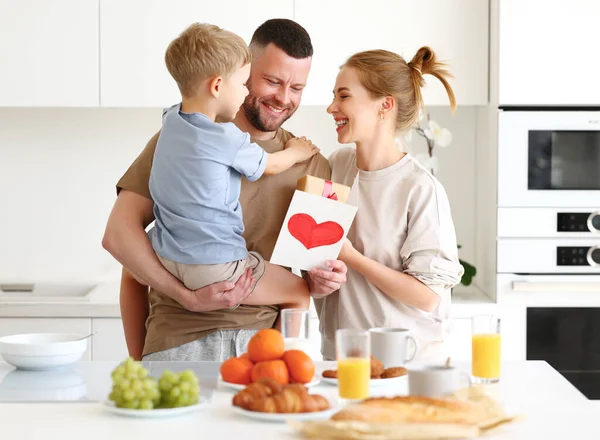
(58, 168)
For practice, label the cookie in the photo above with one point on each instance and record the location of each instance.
(376, 367)
(393, 372)
(331, 374)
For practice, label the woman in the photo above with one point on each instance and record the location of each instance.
(401, 254)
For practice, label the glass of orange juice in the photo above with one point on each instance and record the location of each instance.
(486, 348)
(353, 352)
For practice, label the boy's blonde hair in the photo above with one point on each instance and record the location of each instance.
(202, 51)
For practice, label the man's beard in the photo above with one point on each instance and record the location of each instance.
(252, 110)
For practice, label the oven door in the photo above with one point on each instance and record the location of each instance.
(548, 158)
(549, 256)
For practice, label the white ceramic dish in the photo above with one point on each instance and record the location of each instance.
(239, 387)
(42, 351)
(109, 406)
(283, 418)
(374, 383)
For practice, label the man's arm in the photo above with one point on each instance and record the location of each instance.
(134, 312)
(322, 282)
(126, 239)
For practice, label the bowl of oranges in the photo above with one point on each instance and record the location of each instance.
(267, 358)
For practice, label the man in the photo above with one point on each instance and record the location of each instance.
(198, 325)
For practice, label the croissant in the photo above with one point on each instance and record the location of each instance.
(291, 399)
(256, 391)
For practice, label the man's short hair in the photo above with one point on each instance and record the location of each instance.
(286, 34)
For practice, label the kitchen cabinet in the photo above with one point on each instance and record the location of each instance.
(109, 340)
(49, 53)
(457, 31)
(80, 326)
(134, 36)
(546, 54)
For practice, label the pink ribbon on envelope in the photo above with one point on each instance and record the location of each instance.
(327, 190)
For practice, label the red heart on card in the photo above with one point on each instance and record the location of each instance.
(305, 229)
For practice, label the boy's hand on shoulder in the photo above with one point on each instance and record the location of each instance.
(303, 148)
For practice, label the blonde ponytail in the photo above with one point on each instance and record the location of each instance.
(385, 73)
(425, 63)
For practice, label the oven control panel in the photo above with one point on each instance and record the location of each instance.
(578, 221)
(578, 256)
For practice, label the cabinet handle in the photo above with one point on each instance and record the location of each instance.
(526, 286)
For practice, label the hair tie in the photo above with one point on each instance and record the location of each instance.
(418, 70)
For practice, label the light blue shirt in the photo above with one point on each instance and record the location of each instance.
(195, 183)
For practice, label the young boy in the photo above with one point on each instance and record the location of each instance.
(198, 164)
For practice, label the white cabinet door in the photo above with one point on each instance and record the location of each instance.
(49, 53)
(134, 36)
(109, 340)
(457, 31)
(547, 52)
(81, 326)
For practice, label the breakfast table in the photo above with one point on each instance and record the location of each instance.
(68, 404)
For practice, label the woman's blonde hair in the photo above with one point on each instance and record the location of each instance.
(202, 51)
(385, 73)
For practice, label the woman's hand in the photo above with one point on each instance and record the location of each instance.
(347, 252)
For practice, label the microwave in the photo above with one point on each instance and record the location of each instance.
(551, 159)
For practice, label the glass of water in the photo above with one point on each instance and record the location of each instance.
(295, 328)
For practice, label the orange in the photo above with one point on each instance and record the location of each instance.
(300, 366)
(266, 345)
(237, 370)
(244, 356)
(272, 369)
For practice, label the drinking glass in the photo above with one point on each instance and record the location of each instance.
(295, 324)
(353, 353)
(486, 348)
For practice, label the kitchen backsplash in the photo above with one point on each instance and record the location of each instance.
(58, 169)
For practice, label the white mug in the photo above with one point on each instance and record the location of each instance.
(390, 346)
(436, 381)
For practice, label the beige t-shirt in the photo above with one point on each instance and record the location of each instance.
(264, 205)
(403, 221)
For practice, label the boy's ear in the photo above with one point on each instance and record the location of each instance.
(215, 86)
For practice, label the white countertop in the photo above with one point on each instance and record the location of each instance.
(103, 302)
(552, 406)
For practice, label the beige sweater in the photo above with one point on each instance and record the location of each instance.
(403, 221)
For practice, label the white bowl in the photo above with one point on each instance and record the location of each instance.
(42, 351)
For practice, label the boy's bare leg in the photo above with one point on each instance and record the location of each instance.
(279, 286)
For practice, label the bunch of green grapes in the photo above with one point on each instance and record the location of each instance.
(133, 387)
(178, 389)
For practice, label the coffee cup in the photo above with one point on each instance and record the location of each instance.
(436, 381)
(391, 347)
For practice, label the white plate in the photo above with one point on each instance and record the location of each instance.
(282, 418)
(374, 383)
(152, 413)
(238, 387)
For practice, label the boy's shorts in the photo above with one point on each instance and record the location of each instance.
(196, 276)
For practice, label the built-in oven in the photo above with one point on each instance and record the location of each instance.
(548, 240)
(548, 158)
(549, 301)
